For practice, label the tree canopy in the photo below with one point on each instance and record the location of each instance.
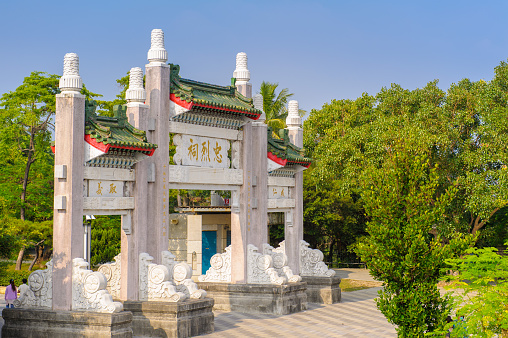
(463, 132)
(275, 105)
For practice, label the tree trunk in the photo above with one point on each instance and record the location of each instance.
(20, 258)
(37, 254)
(27, 172)
(330, 252)
(46, 256)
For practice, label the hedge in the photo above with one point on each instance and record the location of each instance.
(6, 276)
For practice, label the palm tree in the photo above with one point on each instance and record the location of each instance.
(275, 105)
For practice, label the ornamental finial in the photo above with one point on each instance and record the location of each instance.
(241, 72)
(258, 104)
(293, 119)
(71, 81)
(136, 92)
(157, 52)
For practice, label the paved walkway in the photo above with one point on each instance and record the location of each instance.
(352, 273)
(355, 316)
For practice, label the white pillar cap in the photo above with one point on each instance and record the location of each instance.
(70, 80)
(136, 92)
(241, 72)
(258, 104)
(293, 119)
(157, 52)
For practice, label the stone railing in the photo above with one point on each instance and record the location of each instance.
(40, 289)
(280, 262)
(311, 262)
(260, 268)
(220, 268)
(112, 272)
(89, 290)
(154, 282)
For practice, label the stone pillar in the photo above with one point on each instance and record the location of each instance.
(260, 172)
(69, 166)
(157, 97)
(294, 221)
(242, 226)
(134, 241)
(242, 75)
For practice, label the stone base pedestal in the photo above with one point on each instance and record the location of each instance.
(42, 323)
(323, 290)
(188, 318)
(257, 298)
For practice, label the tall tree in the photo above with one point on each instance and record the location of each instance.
(403, 208)
(27, 112)
(332, 221)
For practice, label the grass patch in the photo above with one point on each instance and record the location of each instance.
(348, 285)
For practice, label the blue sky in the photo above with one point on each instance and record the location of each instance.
(320, 50)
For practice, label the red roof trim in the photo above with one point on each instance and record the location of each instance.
(282, 162)
(180, 102)
(250, 115)
(105, 147)
(277, 160)
(189, 105)
(303, 164)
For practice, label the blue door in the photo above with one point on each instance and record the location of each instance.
(209, 248)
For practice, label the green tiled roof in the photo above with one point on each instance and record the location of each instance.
(285, 150)
(209, 97)
(114, 131)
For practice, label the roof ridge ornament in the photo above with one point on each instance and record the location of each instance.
(157, 52)
(70, 80)
(241, 73)
(136, 92)
(293, 119)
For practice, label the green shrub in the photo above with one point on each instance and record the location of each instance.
(106, 239)
(18, 276)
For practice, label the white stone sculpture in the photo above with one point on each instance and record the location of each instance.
(260, 268)
(70, 80)
(181, 273)
(311, 262)
(89, 290)
(258, 104)
(154, 282)
(220, 268)
(293, 119)
(136, 92)
(280, 262)
(157, 52)
(112, 271)
(40, 292)
(241, 73)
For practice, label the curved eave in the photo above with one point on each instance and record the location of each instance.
(302, 163)
(106, 147)
(278, 160)
(191, 104)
